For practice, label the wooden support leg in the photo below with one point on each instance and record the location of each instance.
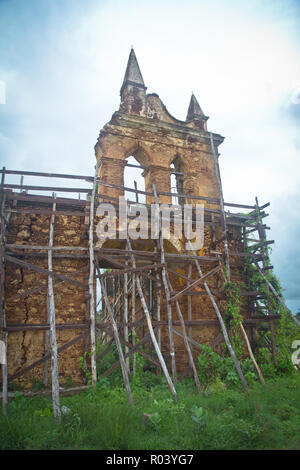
(222, 324)
(2, 299)
(158, 301)
(118, 343)
(187, 345)
(259, 373)
(4, 375)
(125, 303)
(189, 300)
(133, 296)
(274, 346)
(166, 287)
(54, 360)
(91, 283)
(223, 217)
(47, 337)
(150, 327)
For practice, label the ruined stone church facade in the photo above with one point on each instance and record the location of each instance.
(162, 145)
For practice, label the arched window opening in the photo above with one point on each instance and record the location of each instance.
(134, 179)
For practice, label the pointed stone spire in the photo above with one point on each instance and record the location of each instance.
(133, 74)
(194, 111)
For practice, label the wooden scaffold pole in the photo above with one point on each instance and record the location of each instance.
(133, 296)
(222, 324)
(47, 347)
(125, 309)
(51, 303)
(118, 343)
(258, 370)
(91, 282)
(189, 301)
(165, 283)
(2, 301)
(223, 217)
(150, 327)
(187, 344)
(158, 302)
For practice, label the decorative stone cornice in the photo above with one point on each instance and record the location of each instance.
(180, 131)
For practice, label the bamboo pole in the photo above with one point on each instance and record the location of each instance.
(158, 302)
(133, 298)
(4, 359)
(189, 301)
(150, 327)
(187, 345)
(259, 373)
(223, 217)
(47, 337)
(54, 359)
(91, 282)
(4, 374)
(274, 347)
(118, 343)
(125, 294)
(165, 283)
(2, 298)
(222, 324)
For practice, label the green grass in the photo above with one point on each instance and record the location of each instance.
(219, 418)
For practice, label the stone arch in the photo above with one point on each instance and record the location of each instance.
(140, 153)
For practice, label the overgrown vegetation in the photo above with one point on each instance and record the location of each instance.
(223, 416)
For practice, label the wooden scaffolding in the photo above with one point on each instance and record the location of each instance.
(134, 284)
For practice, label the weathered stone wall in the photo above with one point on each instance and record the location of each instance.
(71, 301)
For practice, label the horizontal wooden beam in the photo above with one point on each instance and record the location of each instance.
(191, 323)
(44, 271)
(44, 212)
(55, 189)
(242, 206)
(46, 357)
(34, 198)
(45, 326)
(41, 286)
(129, 270)
(47, 175)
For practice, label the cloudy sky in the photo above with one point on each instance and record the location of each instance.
(62, 64)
